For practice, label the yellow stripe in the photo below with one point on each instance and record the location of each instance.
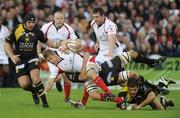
(124, 89)
(19, 32)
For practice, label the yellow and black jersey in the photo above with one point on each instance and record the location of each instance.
(24, 42)
(140, 96)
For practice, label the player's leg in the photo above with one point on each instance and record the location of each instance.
(139, 58)
(163, 82)
(58, 85)
(132, 55)
(156, 105)
(94, 94)
(24, 80)
(157, 89)
(25, 83)
(166, 102)
(33, 68)
(35, 75)
(67, 89)
(93, 75)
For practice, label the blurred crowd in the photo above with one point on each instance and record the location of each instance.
(148, 26)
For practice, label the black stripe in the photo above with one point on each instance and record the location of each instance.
(128, 56)
(123, 76)
(117, 44)
(124, 57)
(127, 74)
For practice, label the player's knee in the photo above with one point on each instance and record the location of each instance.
(24, 85)
(92, 96)
(133, 74)
(133, 54)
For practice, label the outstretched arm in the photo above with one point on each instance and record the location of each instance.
(150, 97)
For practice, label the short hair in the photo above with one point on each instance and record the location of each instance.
(133, 82)
(98, 10)
(46, 53)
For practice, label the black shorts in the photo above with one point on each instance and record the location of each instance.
(25, 66)
(110, 71)
(74, 77)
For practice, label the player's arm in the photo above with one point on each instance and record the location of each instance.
(96, 46)
(9, 50)
(49, 85)
(83, 74)
(150, 97)
(111, 32)
(111, 44)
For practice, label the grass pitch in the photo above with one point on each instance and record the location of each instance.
(17, 103)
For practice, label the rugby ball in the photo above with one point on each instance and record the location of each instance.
(74, 45)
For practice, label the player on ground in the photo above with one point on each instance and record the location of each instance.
(138, 95)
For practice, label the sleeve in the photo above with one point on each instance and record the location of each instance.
(10, 36)
(44, 29)
(54, 71)
(72, 33)
(41, 36)
(146, 90)
(111, 29)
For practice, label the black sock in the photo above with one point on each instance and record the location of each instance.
(142, 59)
(30, 88)
(40, 88)
(160, 84)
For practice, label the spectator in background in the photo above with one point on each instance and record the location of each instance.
(4, 64)
(88, 44)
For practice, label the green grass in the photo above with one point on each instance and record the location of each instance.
(16, 103)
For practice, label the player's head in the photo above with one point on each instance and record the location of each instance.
(98, 15)
(133, 86)
(58, 19)
(30, 21)
(51, 56)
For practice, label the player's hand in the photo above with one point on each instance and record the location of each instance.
(15, 59)
(96, 47)
(137, 107)
(63, 46)
(43, 93)
(41, 57)
(85, 57)
(77, 104)
(109, 56)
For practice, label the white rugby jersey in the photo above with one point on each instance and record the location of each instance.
(72, 62)
(102, 32)
(63, 33)
(4, 32)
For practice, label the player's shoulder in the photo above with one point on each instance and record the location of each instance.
(67, 26)
(109, 22)
(4, 28)
(92, 23)
(47, 25)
